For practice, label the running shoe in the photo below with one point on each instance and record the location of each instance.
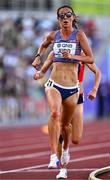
(65, 157)
(54, 162)
(62, 174)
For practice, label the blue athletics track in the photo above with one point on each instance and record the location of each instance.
(24, 152)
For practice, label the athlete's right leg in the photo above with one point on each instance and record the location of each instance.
(54, 101)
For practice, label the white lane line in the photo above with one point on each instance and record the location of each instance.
(48, 170)
(97, 156)
(24, 156)
(34, 138)
(21, 141)
(45, 165)
(23, 147)
(23, 169)
(38, 154)
(42, 145)
(55, 170)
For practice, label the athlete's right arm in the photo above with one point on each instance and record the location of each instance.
(47, 41)
(45, 67)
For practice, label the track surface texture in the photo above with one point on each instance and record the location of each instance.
(24, 153)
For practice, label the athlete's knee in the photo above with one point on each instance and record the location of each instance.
(76, 140)
(55, 114)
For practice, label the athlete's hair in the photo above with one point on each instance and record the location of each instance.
(75, 22)
(65, 6)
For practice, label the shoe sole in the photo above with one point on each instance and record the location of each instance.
(61, 177)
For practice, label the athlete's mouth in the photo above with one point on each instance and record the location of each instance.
(65, 22)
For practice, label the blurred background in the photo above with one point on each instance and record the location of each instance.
(23, 25)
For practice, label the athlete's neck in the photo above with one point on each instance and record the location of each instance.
(66, 31)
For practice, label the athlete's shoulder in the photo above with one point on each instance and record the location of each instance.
(51, 35)
(80, 34)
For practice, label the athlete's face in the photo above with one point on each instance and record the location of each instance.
(65, 17)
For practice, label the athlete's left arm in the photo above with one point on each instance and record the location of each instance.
(93, 67)
(88, 55)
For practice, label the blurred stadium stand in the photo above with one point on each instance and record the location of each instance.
(29, 4)
(23, 25)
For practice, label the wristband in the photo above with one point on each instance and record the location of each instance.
(37, 55)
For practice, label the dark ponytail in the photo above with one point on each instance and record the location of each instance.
(76, 23)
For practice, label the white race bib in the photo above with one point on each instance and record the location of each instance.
(58, 48)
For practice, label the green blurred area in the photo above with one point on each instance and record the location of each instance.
(98, 7)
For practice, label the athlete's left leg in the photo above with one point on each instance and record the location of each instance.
(77, 124)
(68, 107)
(76, 127)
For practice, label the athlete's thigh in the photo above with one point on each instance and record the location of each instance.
(54, 99)
(68, 107)
(77, 123)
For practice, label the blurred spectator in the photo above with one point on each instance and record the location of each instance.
(104, 90)
(92, 33)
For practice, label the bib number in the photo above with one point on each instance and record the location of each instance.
(49, 83)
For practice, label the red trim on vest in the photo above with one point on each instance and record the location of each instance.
(81, 73)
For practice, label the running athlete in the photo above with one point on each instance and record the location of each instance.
(77, 120)
(62, 89)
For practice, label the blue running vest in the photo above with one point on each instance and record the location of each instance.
(70, 45)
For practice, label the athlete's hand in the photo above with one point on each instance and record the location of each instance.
(38, 75)
(36, 62)
(92, 94)
(67, 55)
